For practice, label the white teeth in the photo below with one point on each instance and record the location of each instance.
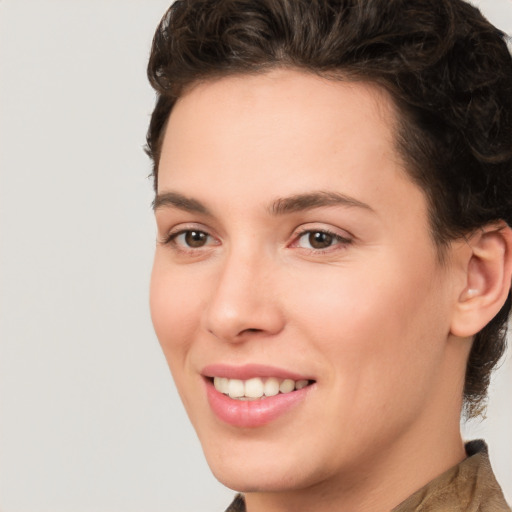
(256, 387)
(224, 385)
(221, 384)
(286, 386)
(271, 387)
(236, 388)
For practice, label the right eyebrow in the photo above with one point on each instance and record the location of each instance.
(177, 200)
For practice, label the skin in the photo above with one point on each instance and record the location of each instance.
(369, 316)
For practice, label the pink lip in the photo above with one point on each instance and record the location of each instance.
(251, 413)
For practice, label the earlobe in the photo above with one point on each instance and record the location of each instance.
(488, 279)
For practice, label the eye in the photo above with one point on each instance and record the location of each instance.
(316, 240)
(189, 239)
(319, 240)
(193, 239)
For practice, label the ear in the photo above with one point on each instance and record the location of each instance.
(488, 264)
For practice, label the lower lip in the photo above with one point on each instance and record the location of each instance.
(253, 413)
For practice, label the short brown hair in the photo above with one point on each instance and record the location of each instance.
(446, 67)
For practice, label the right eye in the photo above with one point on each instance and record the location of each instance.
(190, 239)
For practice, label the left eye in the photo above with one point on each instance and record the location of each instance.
(318, 240)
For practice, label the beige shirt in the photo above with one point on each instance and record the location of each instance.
(468, 487)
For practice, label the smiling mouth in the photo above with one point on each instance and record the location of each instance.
(257, 388)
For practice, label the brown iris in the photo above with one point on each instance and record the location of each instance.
(195, 238)
(320, 240)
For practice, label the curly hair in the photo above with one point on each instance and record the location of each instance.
(448, 70)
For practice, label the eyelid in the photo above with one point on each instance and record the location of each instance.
(325, 228)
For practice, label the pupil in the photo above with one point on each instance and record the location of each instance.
(320, 240)
(195, 238)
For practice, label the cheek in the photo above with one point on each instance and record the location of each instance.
(381, 341)
(175, 303)
(377, 325)
(174, 311)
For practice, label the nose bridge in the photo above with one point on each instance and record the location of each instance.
(244, 299)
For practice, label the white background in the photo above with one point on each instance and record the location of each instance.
(89, 418)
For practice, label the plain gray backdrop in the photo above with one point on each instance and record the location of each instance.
(89, 418)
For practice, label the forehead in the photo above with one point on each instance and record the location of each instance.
(285, 95)
(280, 108)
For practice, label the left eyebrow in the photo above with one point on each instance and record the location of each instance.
(313, 200)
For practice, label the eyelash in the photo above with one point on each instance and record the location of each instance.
(171, 239)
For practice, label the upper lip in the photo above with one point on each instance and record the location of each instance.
(249, 371)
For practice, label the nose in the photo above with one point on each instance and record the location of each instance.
(245, 301)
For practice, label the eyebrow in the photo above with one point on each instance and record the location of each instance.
(176, 200)
(281, 206)
(313, 200)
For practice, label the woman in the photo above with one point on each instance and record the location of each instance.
(332, 276)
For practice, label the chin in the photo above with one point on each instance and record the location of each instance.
(256, 466)
(248, 479)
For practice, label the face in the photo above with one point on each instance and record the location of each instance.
(296, 291)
